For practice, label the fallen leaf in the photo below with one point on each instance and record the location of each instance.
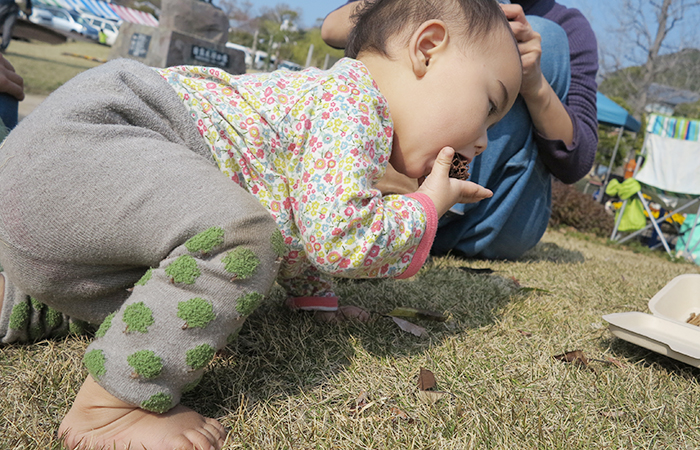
(615, 362)
(362, 399)
(409, 327)
(525, 333)
(362, 403)
(516, 281)
(431, 397)
(477, 271)
(575, 357)
(415, 313)
(398, 414)
(426, 380)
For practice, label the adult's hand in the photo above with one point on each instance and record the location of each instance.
(10, 82)
(530, 46)
(548, 114)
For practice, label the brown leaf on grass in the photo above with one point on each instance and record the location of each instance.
(409, 327)
(362, 403)
(525, 333)
(416, 313)
(398, 414)
(615, 362)
(426, 380)
(575, 357)
(431, 397)
(516, 281)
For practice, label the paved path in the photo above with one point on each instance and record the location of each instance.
(28, 104)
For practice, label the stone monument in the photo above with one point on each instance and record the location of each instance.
(190, 32)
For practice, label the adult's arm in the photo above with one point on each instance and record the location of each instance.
(337, 25)
(571, 162)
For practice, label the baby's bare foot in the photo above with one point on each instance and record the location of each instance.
(97, 419)
(343, 314)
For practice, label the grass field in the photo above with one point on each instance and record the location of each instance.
(292, 383)
(289, 382)
(45, 67)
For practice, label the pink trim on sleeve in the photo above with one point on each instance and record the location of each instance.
(428, 236)
(313, 303)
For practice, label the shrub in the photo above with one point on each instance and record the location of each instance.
(576, 209)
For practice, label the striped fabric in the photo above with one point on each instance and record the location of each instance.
(671, 169)
(133, 15)
(673, 127)
(103, 9)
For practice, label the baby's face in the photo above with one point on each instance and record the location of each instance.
(455, 104)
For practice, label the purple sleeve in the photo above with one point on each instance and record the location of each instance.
(570, 164)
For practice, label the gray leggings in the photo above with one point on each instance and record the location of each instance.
(113, 212)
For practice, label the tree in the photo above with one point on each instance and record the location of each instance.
(608, 137)
(645, 27)
(279, 30)
(320, 50)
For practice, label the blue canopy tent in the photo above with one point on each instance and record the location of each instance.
(610, 113)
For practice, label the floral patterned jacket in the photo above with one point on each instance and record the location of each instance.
(310, 146)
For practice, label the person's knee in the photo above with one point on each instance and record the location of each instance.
(556, 57)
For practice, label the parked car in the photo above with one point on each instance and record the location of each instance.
(66, 20)
(109, 27)
(41, 16)
(289, 66)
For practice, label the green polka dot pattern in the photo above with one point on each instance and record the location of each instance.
(198, 357)
(196, 312)
(94, 361)
(146, 364)
(53, 318)
(36, 304)
(19, 317)
(35, 332)
(241, 262)
(137, 317)
(278, 245)
(144, 279)
(247, 303)
(158, 403)
(206, 240)
(105, 326)
(183, 270)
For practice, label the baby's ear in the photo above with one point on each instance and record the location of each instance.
(428, 41)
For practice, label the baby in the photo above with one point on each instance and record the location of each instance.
(114, 209)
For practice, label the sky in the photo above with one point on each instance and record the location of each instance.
(315, 9)
(602, 15)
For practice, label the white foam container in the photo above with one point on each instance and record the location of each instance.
(665, 330)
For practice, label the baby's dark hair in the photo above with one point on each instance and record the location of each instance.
(377, 21)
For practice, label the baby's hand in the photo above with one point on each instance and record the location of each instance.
(445, 191)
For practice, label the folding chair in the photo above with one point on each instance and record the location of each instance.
(668, 168)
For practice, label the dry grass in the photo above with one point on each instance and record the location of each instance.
(290, 383)
(44, 67)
